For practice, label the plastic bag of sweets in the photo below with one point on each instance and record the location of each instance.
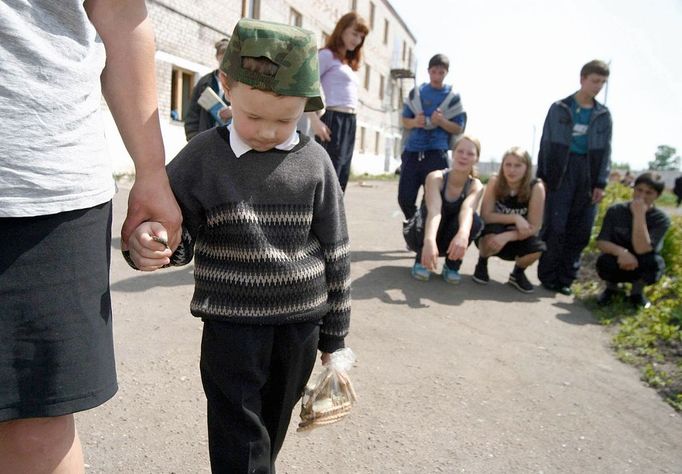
(330, 396)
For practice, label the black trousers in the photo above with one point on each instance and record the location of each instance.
(413, 171)
(253, 376)
(650, 269)
(569, 216)
(340, 147)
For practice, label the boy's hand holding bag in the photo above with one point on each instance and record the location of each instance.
(330, 396)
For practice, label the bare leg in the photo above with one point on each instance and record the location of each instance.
(41, 446)
(527, 260)
(484, 249)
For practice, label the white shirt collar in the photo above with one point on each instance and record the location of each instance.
(239, 146)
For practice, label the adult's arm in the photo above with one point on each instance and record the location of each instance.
(408, 118)
(626, 260)
(605, 165)
(414, 122)
(641, 242)
(450, 126)
(129, 87)
(536, 207)
(460, 242)
(434, 203)
(545, 141)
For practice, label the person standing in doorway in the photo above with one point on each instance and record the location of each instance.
(198, 119)
(432, 115)
(339, 60)
(574, 163)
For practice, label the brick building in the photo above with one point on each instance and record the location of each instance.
(187, 30)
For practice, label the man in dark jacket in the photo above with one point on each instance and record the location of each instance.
(574, 162)
(198, 119)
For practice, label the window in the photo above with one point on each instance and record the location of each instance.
(404, 50)
(251, 8)
(409, 58)
(368, 73)
(371, 15)
(362, 139)
(182, 82)
(353, 5)
(381, 86)
(377, 139)
(295, 18)
(386, 31)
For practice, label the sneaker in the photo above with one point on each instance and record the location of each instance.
(520, 282)
(451, 276)
(607, 296)
(420, 272)
(480, 275)
(639, 301)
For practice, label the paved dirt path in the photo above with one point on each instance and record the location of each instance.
(450, 379)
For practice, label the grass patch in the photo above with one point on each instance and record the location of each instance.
(667, 199)
(649, 339)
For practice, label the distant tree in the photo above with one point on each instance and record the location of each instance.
(621, 166)
(665, 159)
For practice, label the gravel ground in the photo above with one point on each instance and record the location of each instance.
(479, 379)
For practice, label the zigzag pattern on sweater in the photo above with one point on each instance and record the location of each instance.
(210, 306)
(233, 251)
(264, 214)
(263, 261)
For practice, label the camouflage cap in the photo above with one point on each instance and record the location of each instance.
(292, 49)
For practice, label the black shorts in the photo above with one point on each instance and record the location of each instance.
(516, 248)
(56, 345)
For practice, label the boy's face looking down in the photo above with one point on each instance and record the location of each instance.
(262, 119)
(592, 84)
(437, 75)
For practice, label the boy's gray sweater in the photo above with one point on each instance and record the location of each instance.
(267, 232)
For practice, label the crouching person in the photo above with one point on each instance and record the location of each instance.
(630, 239)
(512, 208)
(446, 223)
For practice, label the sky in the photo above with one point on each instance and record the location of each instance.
(510, 59)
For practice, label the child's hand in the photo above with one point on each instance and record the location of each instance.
(148, 246)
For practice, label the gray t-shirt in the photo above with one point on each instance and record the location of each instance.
(53, 154)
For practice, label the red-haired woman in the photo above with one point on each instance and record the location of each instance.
(339, 60)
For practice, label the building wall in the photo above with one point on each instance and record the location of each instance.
(187, 30)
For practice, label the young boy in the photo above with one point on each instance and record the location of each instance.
(264, 217)
(630, 238)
